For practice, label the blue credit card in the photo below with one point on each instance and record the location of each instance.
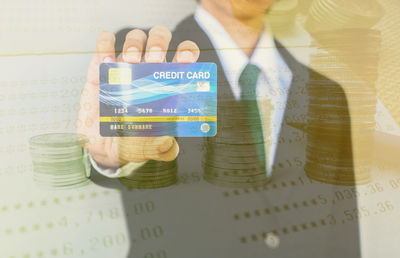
(147, 100)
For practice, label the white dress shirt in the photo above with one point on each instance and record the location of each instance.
(274, 80)
(272, 85)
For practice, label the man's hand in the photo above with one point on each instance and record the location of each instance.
(105, 150)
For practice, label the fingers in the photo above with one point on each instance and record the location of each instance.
(157, 44)
(187, 52)
(156, 47)
(105, 51)
(133, 46)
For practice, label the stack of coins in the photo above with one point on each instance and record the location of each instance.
(231, 157)
(341, 125)
(389, 66)
(337, 14)
(342, 113)
(59, 161)
(355, 47)
(153, 174)
(282, 14)
(304, 6)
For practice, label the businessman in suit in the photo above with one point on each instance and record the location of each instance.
(292, 216)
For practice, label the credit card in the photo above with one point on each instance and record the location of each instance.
(147, 99)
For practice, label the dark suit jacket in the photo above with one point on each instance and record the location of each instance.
(204, 220)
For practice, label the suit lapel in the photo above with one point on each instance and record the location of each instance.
(295, 114)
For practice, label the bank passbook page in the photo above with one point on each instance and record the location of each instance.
(148, 99)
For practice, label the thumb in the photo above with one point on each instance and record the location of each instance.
(163, 148)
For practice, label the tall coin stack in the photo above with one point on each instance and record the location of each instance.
(340, 14)
(231, 158)
(59, 161)
(153, 174)
(389, 65)
(342, 118)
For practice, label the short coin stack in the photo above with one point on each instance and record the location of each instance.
(231, 156)
(59, 161)
(153, 174)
